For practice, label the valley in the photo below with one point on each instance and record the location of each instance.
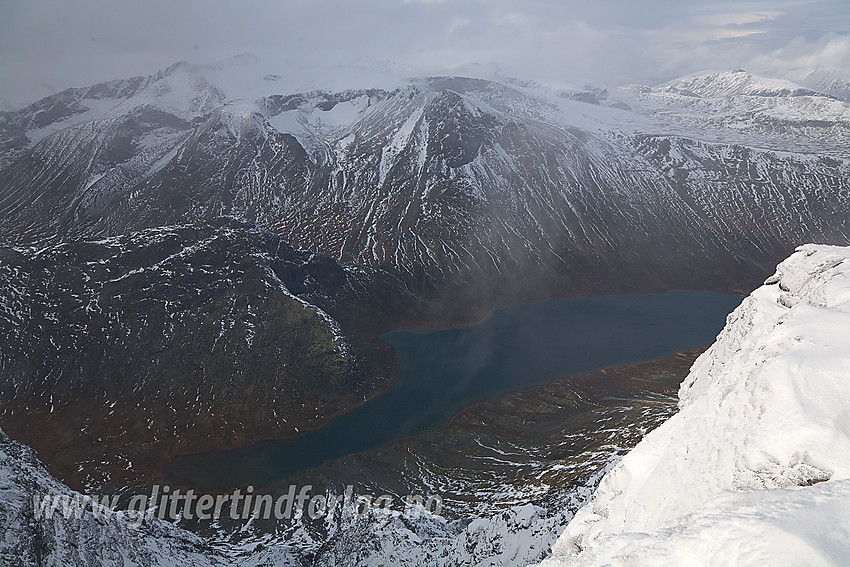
(487, 289)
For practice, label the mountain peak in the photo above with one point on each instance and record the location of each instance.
(241, 118)
(720, 84)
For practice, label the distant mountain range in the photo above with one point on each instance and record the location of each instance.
(450, 183)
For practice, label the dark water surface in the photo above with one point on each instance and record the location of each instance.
(445, 371)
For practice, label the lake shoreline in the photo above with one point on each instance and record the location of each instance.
(162, 467)
(533, 423)
(446, 372)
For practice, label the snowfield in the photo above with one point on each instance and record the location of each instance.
(755, 468)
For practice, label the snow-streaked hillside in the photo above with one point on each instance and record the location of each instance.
(152, 339)
(449, 182)
(755, 468)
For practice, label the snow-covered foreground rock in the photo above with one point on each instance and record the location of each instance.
(755, 468)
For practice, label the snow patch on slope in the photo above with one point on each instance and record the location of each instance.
(755, 468)
(390, 152)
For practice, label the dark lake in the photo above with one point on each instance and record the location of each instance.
(445, 371)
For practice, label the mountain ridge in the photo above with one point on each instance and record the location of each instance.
(455, 183)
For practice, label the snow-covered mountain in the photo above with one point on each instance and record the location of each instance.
(515, 188)
(347, 205)
(745, 109)
(735, 83)
(829, 82)
(755, 467)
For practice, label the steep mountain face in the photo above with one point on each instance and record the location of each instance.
(177, 339)
(453, 184)
(830, 83)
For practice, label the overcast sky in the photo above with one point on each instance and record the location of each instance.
(49, 45)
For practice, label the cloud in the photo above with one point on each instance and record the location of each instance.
(801, 57)
(46, 45)
(737, 18)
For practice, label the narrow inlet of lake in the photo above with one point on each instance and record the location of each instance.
(445, 371)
